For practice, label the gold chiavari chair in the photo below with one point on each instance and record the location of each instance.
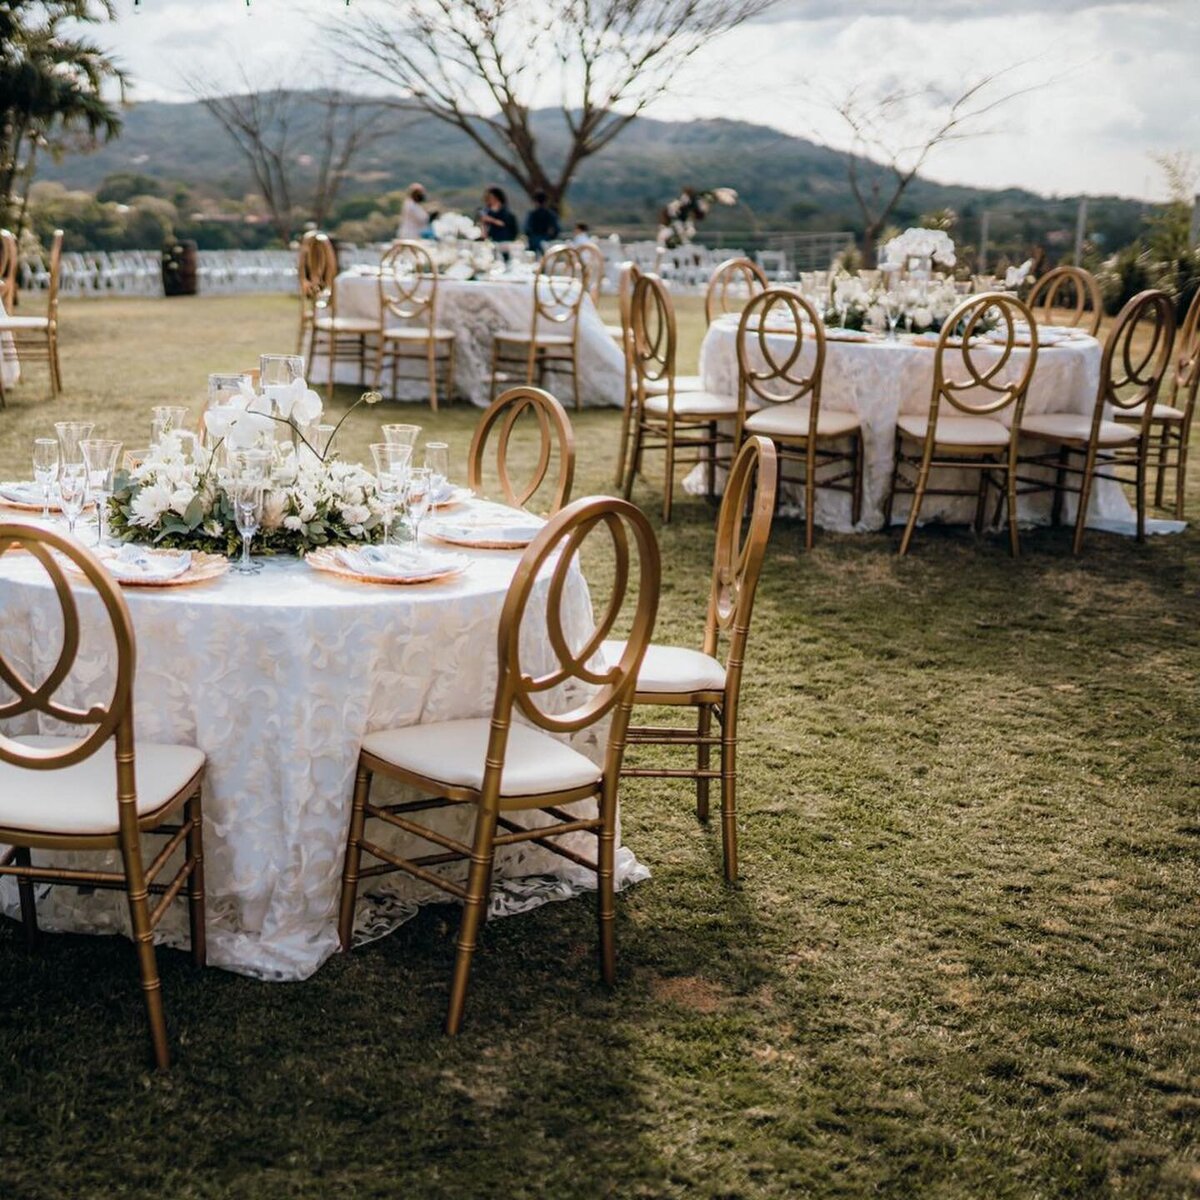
(408, 284)
(552, 343)
(500, 766)
(35, 339)
(778, 376)
(594, 266)
(10, 260)
(340, 338)
(625, 281)
(677, 676)
(665, 417)
(556, 442)
(733, 284)
(963, 430)
(316, 270)
(1171, 424)
(1070, 297)
(60, 793)
(1136, 357)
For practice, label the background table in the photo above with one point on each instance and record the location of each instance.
(276, 678)
(10, 367)
(476, 311)
(879, 380)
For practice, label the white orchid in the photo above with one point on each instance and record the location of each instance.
(1015, 276)
(295, 401)
(934, 244)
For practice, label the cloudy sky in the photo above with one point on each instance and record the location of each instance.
(1114, 81)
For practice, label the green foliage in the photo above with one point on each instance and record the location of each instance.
(123, 186)
(89, 224)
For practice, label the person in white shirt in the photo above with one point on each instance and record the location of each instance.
(582, 235)
(414, 219)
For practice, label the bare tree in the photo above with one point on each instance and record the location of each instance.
(298, 168)
(895, 129)
(483, 66)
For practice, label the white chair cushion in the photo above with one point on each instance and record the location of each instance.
(83, 799)
(1074, 427)
(409, 333)
(347, 325)
(697, 404)
(957, 431)
(543, 339)
(453, 752)
(683, 383)
(673, 669)
(23, 323)
(1162, 412)
(791, 421)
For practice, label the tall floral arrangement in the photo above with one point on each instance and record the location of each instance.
(935, 245)
(677, 221)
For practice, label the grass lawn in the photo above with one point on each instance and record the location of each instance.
(963, 959)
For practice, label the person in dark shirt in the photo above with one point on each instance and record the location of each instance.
(499, 225)
(541, 224)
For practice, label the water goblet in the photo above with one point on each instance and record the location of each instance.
(247, 496)
(70, 434)
(72, 489)
(401, 435)
(319, 439)
(417, 500)
(100, 461)
(250, 464)
(225, 386)
(45, 469)
(279, 370)
(437, 462)
(391, 475)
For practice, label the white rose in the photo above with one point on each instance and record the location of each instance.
(293, 523)
(181, 498)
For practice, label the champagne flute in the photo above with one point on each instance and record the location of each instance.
(100, 462)
(437, 462)
(391, 475)
(247, 514)
(401, 435)
(70, 434)
(417, 501)
(72, 488)
(45, 469)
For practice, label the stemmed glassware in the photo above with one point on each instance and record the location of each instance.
(70, 434)
(279, 370)
(891, 310)
(100, 462)
(247, 514)
(72, 491)
(401, 435)
(417, 501)
(45, 469)
(437, 462)
(391, 477)
(167, 418)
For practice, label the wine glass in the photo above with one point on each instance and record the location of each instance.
(279, 370)
(319, 439)
(72, 490)
(100, 460)
(391, 475)
(437, 462)
(417, 500)
(70, 434)
(224, 386)
(247, 514)
(250, 464)
(401, 435)
(45, 469)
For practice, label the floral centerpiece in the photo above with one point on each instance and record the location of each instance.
(925, 245)
(455, 227)
(677, 221)
(178, 496)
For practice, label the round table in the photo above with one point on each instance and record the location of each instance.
(277, 677)
(880, 379)
(476, 310)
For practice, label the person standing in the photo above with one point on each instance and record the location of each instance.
(499, 224)
(414, 218)
(541, 224)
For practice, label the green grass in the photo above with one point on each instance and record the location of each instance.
(962, 960)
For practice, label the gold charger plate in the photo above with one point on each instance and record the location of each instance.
(326, 560)
(204, 567)
(477, 544)
(55, 506)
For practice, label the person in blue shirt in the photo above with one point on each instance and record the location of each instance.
(541, 224)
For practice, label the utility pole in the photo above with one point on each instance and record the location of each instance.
(1195, 238)
(983, 242)
(1080, 229)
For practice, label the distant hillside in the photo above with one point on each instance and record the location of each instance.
(785, 182)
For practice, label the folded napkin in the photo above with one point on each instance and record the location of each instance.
(489, 529)
(393, 562)
(25, 493)
(136, 562)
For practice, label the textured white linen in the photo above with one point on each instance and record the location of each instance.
(476, 312)
(880, 380)
(10, 368)
(277, 678)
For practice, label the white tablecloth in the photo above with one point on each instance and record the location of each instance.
(879, 380)
(277, 678)
(476, 311)
(10, 368)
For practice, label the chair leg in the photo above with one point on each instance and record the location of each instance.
(450, 376)
(981, 502)
(1143, 451)
(431, 365)
(669, 474)
(575, 372)
(358, 818)
(55, 373)
(703, 759)
(143, 940)
(810, 495)
(635, 458)
(606, 882)
(479, 882)
(1010, 484)
(729, 846)
(710, 467)
(1085, 496)
(623, 447)
(195, 850)
(857, 484)
(1060, 479)
(23, 858)
(915, 511)
(1180, 472)
(1164, 445)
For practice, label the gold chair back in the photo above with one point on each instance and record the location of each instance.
(988, 384)
(732, 284)
(56, 246)
(317, 266)
(1068, 297)
(1137, 356)
(773, 335)
(652, 323)
(559, 288)
(555, 433)
(743, 529)
(628, 277)
(1187, 358)
(408, 281)
(598, 691)
(10, 257)
(592, 258)
(114, 715)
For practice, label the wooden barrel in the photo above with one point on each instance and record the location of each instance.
(179, 268)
